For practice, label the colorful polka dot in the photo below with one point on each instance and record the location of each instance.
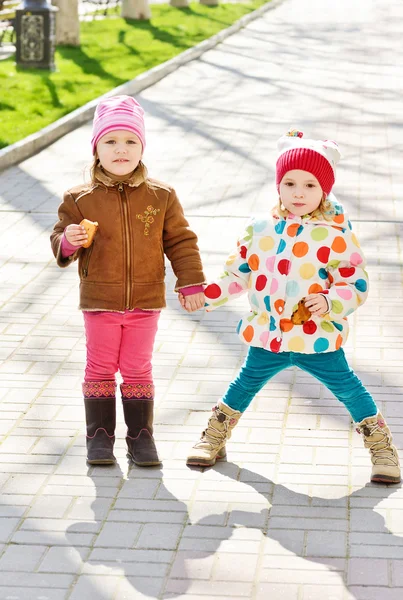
(356, 259)
(321, 345)
(347, 272)
(212, 291)
(272, 324)
(337, 307)
(355, 240)
(292, 230)
(261, 282)
(234, 288)
(339, 342)
(319, 233)
(281, 247)
(323, 273)
(344, 292)
(266, 301)
(266, 243)
(309, 327)
(248, 333)
(244, 268)
(323, 254)
(273, 286)
(254, 262)
(280, 227)
(231, 259)
(300, 249)
(275, 345)
(270, 263)
(259, 226)
(361, 285)
(326, 326)
(254, 300)
(292, 289)
(339, 245)
(284, 266)
(338, 218)
(263, 318)
(296, 344)
(338, 326)
(264, 338)
(307, 270)
(243, 252)
(279, 306)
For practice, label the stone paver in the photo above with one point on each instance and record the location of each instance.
(290, 516)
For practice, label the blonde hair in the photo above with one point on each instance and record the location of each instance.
(323, 211)
(141, 170)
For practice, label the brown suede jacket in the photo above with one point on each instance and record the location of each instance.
(138, 224)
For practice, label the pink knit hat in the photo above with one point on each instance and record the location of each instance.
(118, 112)
(315, 156)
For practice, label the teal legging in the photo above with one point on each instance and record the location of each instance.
(330, 368)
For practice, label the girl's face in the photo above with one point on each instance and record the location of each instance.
(119, 152)
(300, 192)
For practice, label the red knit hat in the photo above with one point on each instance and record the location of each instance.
(118, 112)
(314, 156)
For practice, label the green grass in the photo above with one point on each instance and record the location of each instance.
(112, 52)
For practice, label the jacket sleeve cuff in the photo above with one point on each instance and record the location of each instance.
(328, 302)
(192, 289)
(67, 249)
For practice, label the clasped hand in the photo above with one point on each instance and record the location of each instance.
(192, 302)
(317, 304)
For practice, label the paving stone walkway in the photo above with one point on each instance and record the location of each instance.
(290, 516)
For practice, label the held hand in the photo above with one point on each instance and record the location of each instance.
(317, 304)
(181, 299)
(76, 235)
(194, 302)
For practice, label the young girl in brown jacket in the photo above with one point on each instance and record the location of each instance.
(137, 221)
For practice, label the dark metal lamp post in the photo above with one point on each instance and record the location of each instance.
(35, 27)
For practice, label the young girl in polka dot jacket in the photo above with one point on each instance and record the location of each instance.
(304, 273)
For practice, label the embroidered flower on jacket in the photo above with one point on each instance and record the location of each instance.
(148, 217)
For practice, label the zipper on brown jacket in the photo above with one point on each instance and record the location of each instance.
(127, 236)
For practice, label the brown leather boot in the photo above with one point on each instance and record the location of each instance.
(100, 414)
(138, 409)
(384, 456)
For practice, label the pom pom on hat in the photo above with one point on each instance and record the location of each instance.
(118, 112)
(315, 156)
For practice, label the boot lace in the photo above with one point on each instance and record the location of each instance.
(217, 429)
(379, 449)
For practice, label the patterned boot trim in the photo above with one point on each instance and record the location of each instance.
(145, 391)
(99, 389)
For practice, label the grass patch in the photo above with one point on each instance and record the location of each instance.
(112, 52)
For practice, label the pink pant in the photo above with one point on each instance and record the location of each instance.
(120, 342)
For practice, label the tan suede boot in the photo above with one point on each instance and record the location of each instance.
(384, 456)
(211, 446)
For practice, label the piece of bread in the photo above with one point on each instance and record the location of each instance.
(302, 314)
(91, 229)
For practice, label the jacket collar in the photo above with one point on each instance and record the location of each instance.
(133, 180)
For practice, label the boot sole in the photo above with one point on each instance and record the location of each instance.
(200, 463)
(101, 461)
(150, 463)
(385, 479)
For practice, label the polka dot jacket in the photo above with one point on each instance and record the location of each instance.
(279, 261)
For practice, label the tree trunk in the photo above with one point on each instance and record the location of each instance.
(179, 3)
(210, 2)
(67, 22)
(135, 9)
